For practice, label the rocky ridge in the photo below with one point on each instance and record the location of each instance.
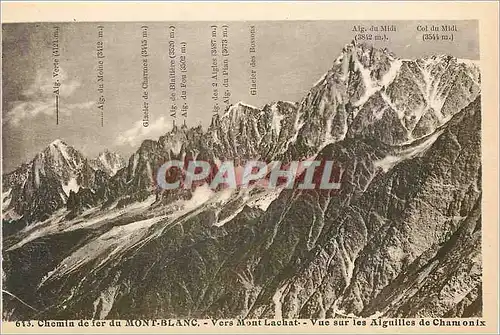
(401, 238)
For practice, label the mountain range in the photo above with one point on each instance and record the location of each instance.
(95, 238)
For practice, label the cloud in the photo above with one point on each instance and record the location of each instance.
(138, 133)
(39, 99)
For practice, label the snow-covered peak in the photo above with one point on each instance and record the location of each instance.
(109, 162)
(374, 67)
(469, 62)
(239, 109)
(60, 156)
(365, 52)
(242, 104)
(58, 147)
(370, 90)
(58, 143)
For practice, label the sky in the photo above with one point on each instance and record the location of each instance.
(290, 57)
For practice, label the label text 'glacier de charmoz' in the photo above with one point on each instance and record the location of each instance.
(145, 75)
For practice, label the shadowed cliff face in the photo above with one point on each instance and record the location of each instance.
(401, 237)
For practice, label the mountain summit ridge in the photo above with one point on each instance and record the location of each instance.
(360, 96)
(401, 238)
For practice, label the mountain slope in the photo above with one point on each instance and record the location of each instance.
(108, 162)
(400, 238)
(37, 189)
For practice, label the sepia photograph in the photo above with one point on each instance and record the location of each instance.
(270, 174)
